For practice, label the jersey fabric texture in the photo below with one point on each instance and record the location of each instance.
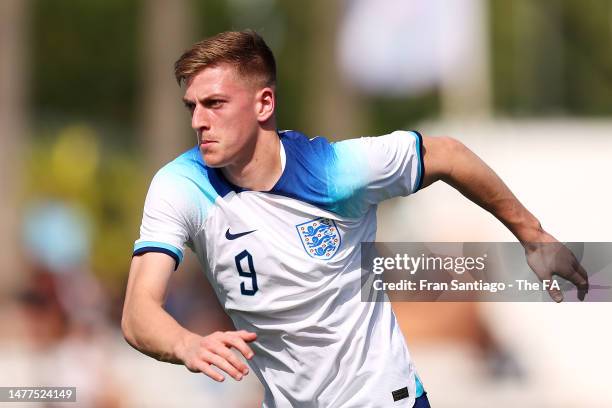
(285, 263)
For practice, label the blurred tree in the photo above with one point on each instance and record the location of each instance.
(587, 41)
(13, 77)
(166, 33)
(552, 57)
(84, 63)
(332, 108)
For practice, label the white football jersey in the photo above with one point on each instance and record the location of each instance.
(286, 263)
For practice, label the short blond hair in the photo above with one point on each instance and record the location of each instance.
(245, 50)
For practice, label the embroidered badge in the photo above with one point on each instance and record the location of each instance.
(320, 238)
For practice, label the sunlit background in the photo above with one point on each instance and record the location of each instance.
(89, 110)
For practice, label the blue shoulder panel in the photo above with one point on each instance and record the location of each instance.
(316, 172)
(305, 177)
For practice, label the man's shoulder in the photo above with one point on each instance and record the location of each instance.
(186, 163)
(321, 146)
(186, 173)
(300, 142)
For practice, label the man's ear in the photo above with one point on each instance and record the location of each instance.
(265, 102)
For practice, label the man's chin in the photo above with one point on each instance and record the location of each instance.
(212, 160)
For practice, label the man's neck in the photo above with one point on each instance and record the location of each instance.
(262, 169)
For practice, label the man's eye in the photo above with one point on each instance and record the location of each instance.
(215, 103)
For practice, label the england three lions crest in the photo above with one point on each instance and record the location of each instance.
(320, 238)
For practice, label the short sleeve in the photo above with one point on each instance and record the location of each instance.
(166, 223)
(373, 169)
(395, 165)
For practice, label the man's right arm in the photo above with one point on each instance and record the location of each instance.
(150, 329)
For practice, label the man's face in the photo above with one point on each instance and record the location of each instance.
(223, 114)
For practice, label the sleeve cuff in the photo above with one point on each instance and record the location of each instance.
(420, 166)
(151, 246)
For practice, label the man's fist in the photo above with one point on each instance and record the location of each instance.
(199, 353)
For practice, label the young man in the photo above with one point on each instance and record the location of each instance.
(277, 219)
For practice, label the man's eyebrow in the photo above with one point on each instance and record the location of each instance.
(213, 97)
(207, 98)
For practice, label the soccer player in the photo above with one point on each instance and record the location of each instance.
(276, 220)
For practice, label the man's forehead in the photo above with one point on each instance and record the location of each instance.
(221, 78)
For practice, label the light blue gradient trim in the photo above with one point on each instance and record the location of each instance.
(419, 386)
(162, 245)
(420, 163)
(347, 177)
(190, 171)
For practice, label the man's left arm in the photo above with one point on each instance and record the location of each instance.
(449, 160)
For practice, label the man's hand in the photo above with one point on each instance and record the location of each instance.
(199, 353)
(550, 257)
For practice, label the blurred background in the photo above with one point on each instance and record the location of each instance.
(89, 110)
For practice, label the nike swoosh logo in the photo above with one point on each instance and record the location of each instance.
(231, 236)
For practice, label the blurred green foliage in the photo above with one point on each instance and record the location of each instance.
(552, 57)
(71, 164)
(84, 59)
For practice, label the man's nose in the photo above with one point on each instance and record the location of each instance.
(199, 119)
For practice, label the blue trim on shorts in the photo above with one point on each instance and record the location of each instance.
(422, 401)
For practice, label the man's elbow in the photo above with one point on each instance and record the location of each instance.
(453, 151)
(127, 328)
(452, 145)
(441, 154)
